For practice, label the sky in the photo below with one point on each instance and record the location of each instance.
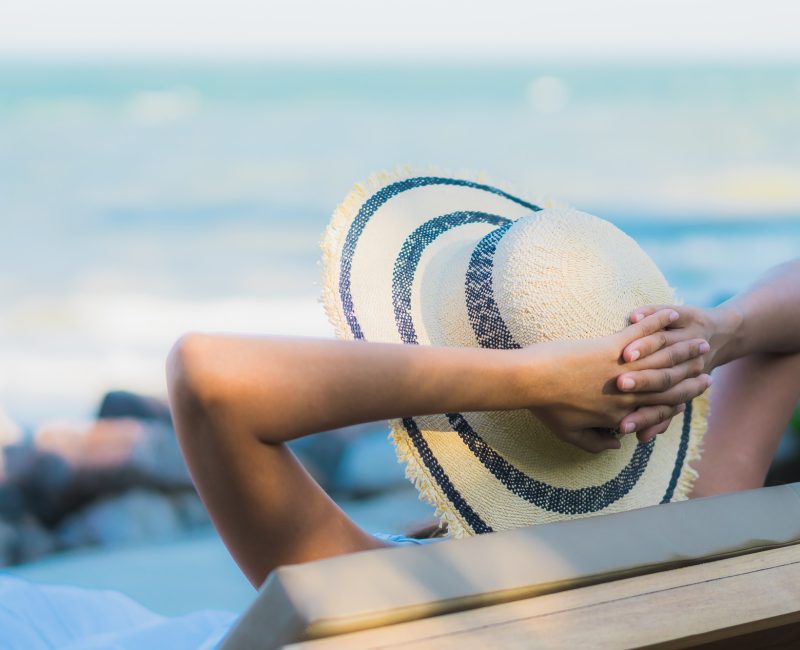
(410, 29)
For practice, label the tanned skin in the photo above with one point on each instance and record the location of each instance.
(236, 401)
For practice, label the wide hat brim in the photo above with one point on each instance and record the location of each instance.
(394, 252)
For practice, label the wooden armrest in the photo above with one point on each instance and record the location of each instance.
(384, 587)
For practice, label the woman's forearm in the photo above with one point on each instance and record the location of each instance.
(309, 385)
(284, 388)
(343, 383)
(763, 319)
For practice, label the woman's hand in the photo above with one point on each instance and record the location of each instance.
(718, 326)
(584, 396)
(762, 320)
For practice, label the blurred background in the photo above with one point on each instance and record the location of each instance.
(169, 166)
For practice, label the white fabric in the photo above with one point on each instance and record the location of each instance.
(38, 617)
(42, 617)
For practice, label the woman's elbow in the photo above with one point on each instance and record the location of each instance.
(220, 383)
(195, 387)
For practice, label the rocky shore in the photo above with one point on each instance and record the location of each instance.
(121, 479)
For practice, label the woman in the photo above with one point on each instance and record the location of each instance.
(237, 401)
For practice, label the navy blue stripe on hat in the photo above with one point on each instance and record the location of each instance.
(402, 281)
(410, 253)
(564, 501)
(474, 520)
(553, 499)
(682, 449)
(370, 207)
(484, 315)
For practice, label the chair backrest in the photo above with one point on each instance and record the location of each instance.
(376, 588)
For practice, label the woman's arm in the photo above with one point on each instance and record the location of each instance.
(235, 400)
(755, 347)
(303, 386)
(765, 319)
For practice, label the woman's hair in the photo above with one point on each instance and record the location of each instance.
(429, 531)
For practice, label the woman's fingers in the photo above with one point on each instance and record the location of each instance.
(648, 325)
(647, 345)
(682, 392)
(684, 359)
(649, 418)
(643, 312)
(659, 380)
(648, 434)
(644, 347)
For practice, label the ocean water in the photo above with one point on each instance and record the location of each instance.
(139, 201)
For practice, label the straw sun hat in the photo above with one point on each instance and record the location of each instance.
(430, 260)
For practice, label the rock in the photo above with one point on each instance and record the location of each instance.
(12, 502)
(399, 511)
(122, 404)
(105, 443)
(75, 531)
(190, 509)
(368, 466)
(322, 452)
(41, 481)
(134, 517)
(23, 541)
(33, 541)
(8, 543)
(69, 466)
(158, 458)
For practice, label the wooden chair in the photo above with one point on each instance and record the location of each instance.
(716, 572)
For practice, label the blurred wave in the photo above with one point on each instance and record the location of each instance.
(138, 201)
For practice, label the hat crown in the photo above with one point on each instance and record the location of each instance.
(563, 274)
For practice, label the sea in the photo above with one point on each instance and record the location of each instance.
(143, 199)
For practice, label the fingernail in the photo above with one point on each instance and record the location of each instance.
(628, 383)
(673, 316)
(709, 380)
(635, 355)
(628, 427)
(704, 347)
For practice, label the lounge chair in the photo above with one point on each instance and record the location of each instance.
(721, 571)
